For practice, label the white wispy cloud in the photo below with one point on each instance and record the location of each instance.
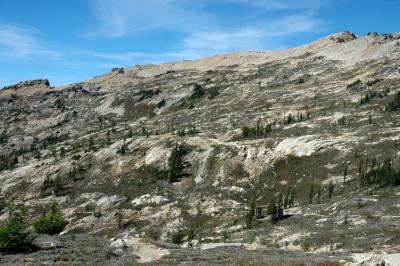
(203, 31)
(262, 36)
(19, 42)
(116, 18)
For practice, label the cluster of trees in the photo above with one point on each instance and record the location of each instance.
(76, 172)
(57, 185)
(277, 205)
(147, 94)
(14, 232)
(50, 185)
(145, 132)
(105, 122)
(190, 130)
(59, 104)
(315, 192)
(198, 91)
(354, 84)
(172, 171)
(299, 117)
(372, 172)
(368, 97)
(258, 131)
(8, 162)
(123, 149)
(394, 104)
(176, 163)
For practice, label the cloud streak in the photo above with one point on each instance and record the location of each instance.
(202, 30)
(258, 37)
(118, 18)
(17, 42)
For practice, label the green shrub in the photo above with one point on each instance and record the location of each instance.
(13, 235)
(51, 222)
(258, 131)
(198, 91)
(177, 237)
(153, 233)
(305, 245)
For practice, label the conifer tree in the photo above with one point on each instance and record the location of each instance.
(273, 210)
(331, 189)
(311, 195)
(344, 173)
(250, 213)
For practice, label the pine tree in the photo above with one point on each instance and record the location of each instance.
(289, 198)
(280, 206)
(108, 138)
(175, 163)
(292, 197)
(311, 195)
(258, 127)
(331, 189)
(319, 196)
(250, 213)
(273, 210)
(130, 134)
(286, 199)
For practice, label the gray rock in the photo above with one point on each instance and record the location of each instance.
(118, 244)
(45, 242)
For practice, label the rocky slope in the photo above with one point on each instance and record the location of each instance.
(144, 156)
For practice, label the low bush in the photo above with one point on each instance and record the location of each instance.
(50, 222)
(176, 237)
(153, 233)
(13, 234)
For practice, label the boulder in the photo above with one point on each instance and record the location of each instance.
(46, 242)
(149, 199)
(107, 202)
(118, 244)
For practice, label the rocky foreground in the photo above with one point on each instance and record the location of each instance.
(258, 158)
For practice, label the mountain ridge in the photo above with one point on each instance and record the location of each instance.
(184, 161)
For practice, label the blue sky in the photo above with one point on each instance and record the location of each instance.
(72, 40)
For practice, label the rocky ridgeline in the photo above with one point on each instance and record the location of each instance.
(28, 83)
(278, 158)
